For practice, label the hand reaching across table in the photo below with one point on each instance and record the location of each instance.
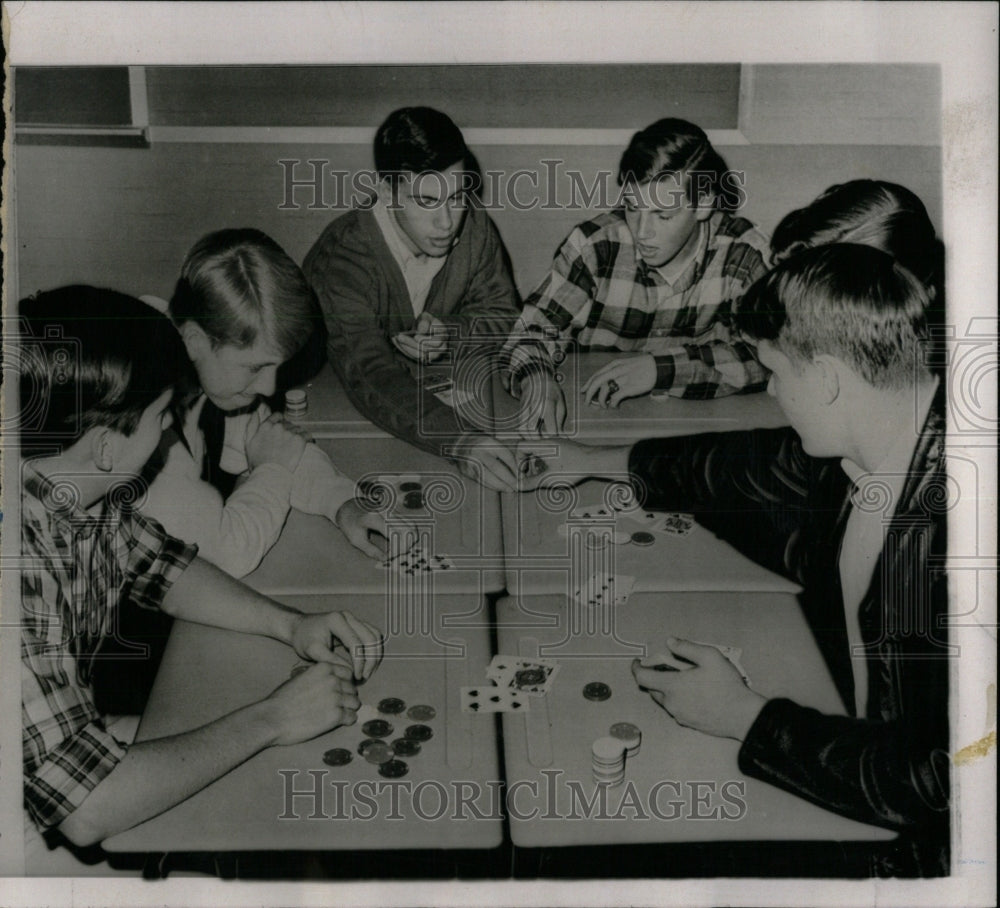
(629, 376)
(426, 343)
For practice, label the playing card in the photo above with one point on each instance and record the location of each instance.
(592, 512)
(531, 676)
(602, 588)
(532, 465)
(489, 699)
(667, 661)
(416, 560)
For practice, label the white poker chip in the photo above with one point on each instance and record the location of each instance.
(608, 749)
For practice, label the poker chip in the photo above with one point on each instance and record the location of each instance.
(366, 745)
(421, 713)
(413, 500)
(377, 728)
(419, 733)
(406, 747)
(391, 706)
(296, 403)
(379, 752)
(393, 769)
(410, 487)
(596, 690)
(630, 735)
(608, 761)
(339, 756)
(529, 677)
(643, 538)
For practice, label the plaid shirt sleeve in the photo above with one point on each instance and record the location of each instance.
(67, 750)
(561, 302)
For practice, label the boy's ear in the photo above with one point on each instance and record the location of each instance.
(102, 450)
(196, 341)
(829, 375)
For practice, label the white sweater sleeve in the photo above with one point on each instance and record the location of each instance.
(234, 534)
(319, 487)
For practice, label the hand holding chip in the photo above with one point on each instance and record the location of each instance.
(315, 637)
(311, 703)
(630, 376)
(710, 696)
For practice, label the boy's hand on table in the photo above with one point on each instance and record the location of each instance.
(543, 406)
(710, 696)
(277, 441)
(357, 522)
(489, 462)
(312, 702)
(630, 376)
(428, 341)
(315, 637)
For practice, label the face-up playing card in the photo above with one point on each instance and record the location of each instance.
(592, 512)
(667, 661)
(489, 699)
(532, 465)
(603, 589)
(416, 560)
(530, 676)
(658, 522)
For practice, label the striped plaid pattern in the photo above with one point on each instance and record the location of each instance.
(600, 295)
(75, 569)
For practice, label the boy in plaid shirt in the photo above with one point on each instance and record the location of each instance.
(658, 277)
(93, 405)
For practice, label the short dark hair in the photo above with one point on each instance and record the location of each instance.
(238, 284)
(93, 357)
(874, 213)
(419, 140)
(672, 147)
(847, 300)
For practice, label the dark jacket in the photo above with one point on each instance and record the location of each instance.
(763, 494)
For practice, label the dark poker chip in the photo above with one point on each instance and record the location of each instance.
(391, 706)
(419, 733)
(528, 677)
(339, 756)
(413, 500)
(410, 487)
(421, 713)
(393, 769)
(643, 538)
(366, 745)
(406, 747)
(596, 690)
(376, 728)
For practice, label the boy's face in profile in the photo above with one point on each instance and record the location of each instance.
(133, 451)
(234, 377)
(662, 220)
(429, 209)
(798, 388)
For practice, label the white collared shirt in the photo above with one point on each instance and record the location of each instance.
(874, 500)
(418, 270)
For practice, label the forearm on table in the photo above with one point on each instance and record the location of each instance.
(155, 775)
(206, 595)
(318, 487)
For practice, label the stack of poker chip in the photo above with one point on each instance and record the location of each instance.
(296, 403)
(608, 760)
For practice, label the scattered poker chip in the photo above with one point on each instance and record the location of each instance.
(393, 769)
(410, 487)
(339, 756)
(643, 538)
(419, 733)
(413, 500)
(377, 728)
(379, 752)
(406, 747)
(366, 745)
(596, 690)
(421, 713)
(528, 677)
(391, 706)
(625, 731)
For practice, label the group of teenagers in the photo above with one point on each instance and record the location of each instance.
(158, 467)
